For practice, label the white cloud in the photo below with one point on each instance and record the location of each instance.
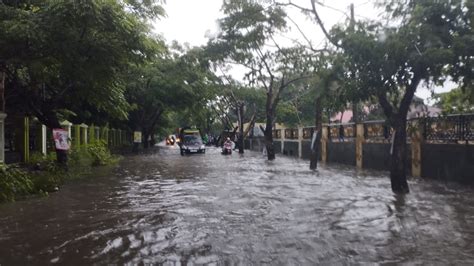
(193, 21)
(188, 21)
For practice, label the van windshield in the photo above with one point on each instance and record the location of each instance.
(192, 139)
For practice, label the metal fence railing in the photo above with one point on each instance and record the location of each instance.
(451, 128)
(443, 129)
(342, 132)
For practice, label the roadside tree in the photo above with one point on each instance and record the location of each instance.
(247, 38)
(56, 55)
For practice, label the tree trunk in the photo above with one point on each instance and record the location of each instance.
(269, 136)
(355, 113)
(145, 139)
(240, 137)
(318, 122)
(251, 125)
(240, 141)
(398, 120)
(398, 159)
(152, 140)
(2, 88)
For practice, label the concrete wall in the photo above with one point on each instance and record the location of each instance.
(12, 157)
(306, 149)
(277, 145)
(454, 162)
(342, 152)
(247, 144)
(377, 156)
(291, 148)
(448, 162)
(258, 143)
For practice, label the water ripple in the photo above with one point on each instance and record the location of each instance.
(164, 208)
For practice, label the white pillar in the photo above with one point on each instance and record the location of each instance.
(2, 137)
(43, 139)
(84, 134)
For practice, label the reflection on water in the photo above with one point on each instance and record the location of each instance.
(214, 209)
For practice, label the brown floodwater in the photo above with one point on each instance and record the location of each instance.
(163, 208)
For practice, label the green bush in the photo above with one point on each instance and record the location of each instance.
(100, 153)
(14, 182)
(80, 160)
(39, 161)
(46, 181)
(42, 174)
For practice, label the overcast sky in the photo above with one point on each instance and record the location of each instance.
(190, 21)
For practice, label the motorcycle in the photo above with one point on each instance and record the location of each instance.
(227, 149)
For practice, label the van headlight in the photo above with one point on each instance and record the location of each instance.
(203, 147)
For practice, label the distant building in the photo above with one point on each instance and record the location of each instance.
(417, 109)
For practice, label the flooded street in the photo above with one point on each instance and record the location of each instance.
(238, 209)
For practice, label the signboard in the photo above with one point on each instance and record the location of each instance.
(137, 137)
(61, 137)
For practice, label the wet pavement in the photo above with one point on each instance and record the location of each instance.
(163, 208)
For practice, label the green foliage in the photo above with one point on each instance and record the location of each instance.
(96, 153)
(175, 82)
(248, 38)
(14, 182)
(80, 160)
(146, 8)
(100, 154)
(47, 181)
(456, 101)
(43, 174)
(42, 162)
(288, 114)
(425, 45)
(72, 55)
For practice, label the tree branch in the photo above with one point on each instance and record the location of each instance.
(409, 93)
(386, 106)
(321, 25)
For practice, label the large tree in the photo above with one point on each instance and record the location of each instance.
(56, 55)
(391, 62)
(247, 38)
(235, 102)
(174, 82)
(420, 42)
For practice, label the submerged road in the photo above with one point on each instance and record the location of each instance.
(163, 208)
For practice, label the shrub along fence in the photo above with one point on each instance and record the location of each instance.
(26, 135)
(438, 147)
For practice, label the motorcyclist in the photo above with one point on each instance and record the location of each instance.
(227, 147)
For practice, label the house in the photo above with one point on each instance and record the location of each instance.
(417, 109)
